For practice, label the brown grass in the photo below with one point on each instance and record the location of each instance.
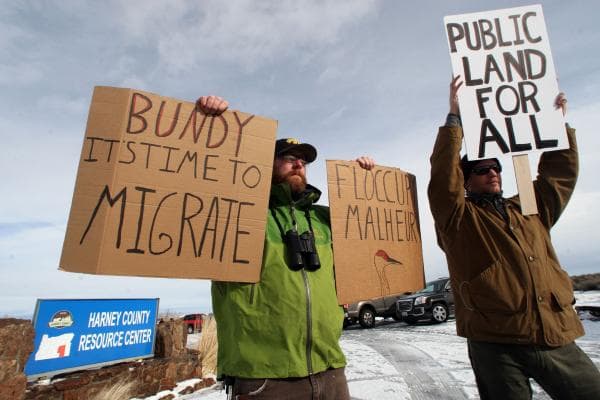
(121, 391)
(208, 346)
(586, 282)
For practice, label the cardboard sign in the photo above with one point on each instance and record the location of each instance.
(77, 334)
(507, 100)
(163, 190)
(376, 234)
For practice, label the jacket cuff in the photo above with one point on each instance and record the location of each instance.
(453, 120)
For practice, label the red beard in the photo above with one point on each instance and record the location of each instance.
(296, 181)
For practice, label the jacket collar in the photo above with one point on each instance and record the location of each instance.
(487, 197)
(495, 199)
(281, 194)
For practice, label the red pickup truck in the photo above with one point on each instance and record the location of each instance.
(193, 322)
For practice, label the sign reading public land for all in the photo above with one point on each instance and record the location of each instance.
(376, 231)
(507, 100)
(163, 190)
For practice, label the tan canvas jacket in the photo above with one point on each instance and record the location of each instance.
(509, 285)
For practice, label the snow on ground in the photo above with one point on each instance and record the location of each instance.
(398, 361)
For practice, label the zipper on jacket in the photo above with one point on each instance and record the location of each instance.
(252, 293)
(308, 323)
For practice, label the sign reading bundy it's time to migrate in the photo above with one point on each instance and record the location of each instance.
(164, 190)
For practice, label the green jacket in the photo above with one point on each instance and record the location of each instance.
(508, 283)
(289, 323)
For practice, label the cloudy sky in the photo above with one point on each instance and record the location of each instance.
(351, 77)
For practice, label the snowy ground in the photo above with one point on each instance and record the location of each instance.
(398, 361)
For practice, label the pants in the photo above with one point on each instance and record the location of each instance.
(326, 385)
(502, 371)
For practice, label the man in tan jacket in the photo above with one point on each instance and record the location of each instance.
(514, 301)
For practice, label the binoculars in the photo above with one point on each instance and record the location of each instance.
(302, 252)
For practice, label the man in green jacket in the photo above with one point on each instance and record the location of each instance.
(514, 301)
(278, 338)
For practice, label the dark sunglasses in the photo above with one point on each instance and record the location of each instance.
(288, 158)
(486, 169)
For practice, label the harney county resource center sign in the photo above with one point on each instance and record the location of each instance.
(78, 334)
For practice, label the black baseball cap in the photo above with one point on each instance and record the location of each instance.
(467, 166)
(291, 145)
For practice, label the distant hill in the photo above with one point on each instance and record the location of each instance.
(586, 282)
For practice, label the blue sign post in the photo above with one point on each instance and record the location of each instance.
(78, 334)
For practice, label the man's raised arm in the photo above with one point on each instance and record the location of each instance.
(446, 190)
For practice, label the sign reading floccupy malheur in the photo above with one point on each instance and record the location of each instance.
(507, 100)
(376, 232)
(163, 190)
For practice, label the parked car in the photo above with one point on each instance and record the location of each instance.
(193, 322)
(365, 311)
(435, 303)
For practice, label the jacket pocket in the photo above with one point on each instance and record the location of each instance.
(560, 303)
(565, 318)
(247, 388)
(561, 287)
(496, 289)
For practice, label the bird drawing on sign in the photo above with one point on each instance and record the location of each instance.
(381, 261)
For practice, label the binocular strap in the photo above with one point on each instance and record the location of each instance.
(281, 230)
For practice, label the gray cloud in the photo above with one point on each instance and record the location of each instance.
(352, 77)
(244, 33)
